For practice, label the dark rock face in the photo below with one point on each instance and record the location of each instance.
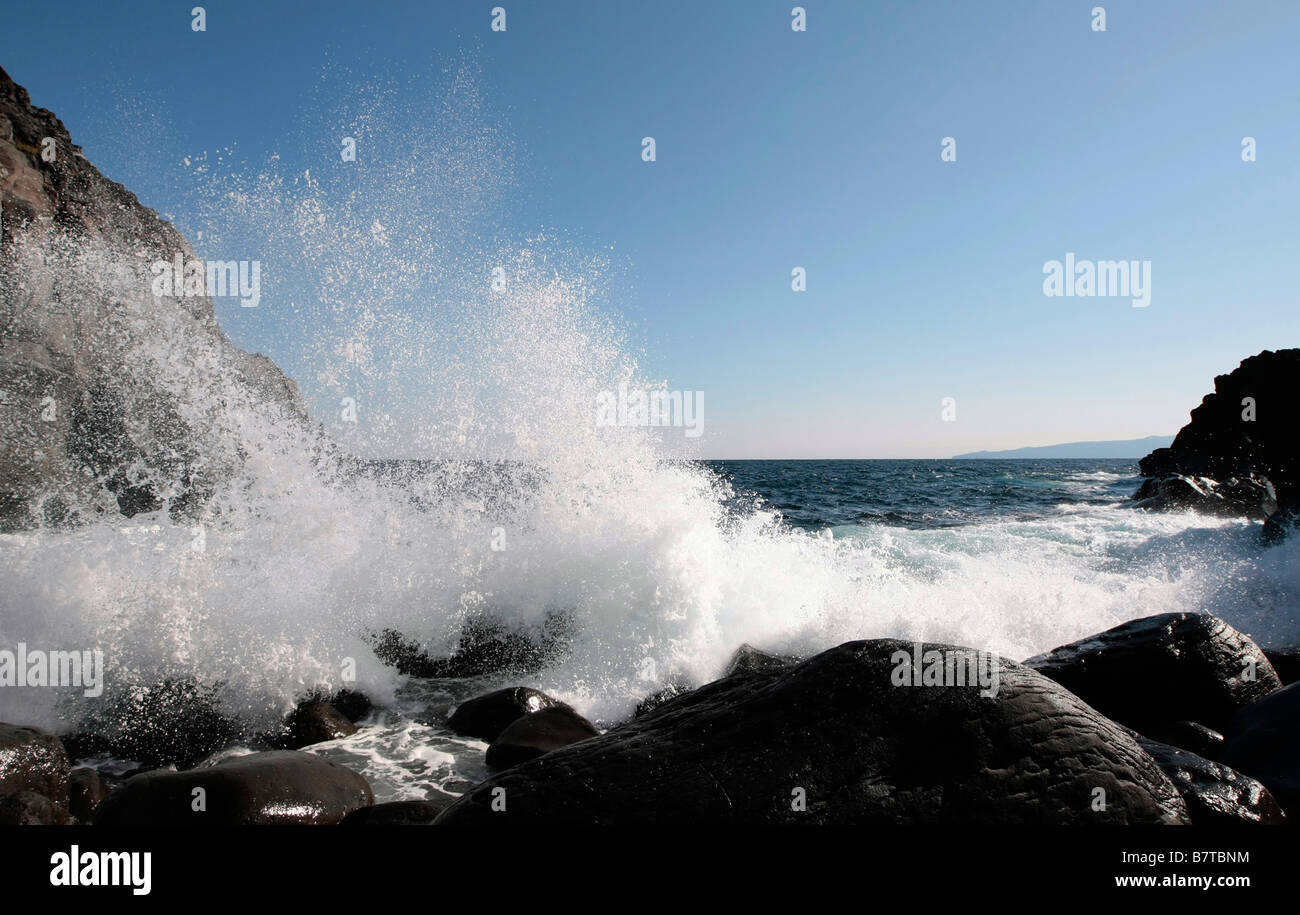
(858, 749)
(1252, 497)
(1191, 736)
(485, 717)
(1286, 661)
(86, 790)
(352, 704)
(175, 722)
(94, 367)
(1162, 669)
(1215, 794)
(485, 647)
(1264, 742)
(667, 694)
(749, 659)
(541, 732)
(276, 787)
(315, 721)
(33, 760)
(1221, 443)
(398, 813)
(27, 808)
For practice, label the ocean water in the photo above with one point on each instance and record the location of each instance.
(1017, 556)
(661, 583)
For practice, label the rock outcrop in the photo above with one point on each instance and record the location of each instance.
(276, 787)
(1215, 794)
(534, 735)
(486, 716)
(33, 760)
(1238, 454)
(1263, 741)
(112, 399)
(1156, 671)
(833, 740)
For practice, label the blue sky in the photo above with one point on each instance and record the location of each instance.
(778, 149)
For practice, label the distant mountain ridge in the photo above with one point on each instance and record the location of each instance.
(1117, 450)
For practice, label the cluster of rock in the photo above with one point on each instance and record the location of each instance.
(837, 739)
(1238, 455)
(1172, 719)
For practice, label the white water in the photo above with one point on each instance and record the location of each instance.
(661, 581)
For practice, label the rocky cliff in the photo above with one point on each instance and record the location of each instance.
(1240, 454)
(112, 398)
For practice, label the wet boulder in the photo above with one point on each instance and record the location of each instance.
(1251, 497)
(1286, 661)
(655, 700)
(541, 732)
(33, 760)
(1162, 669)
(27, 808)
(1264, 742)
(1215, 794)
(486, 716)
(276, 787)
(314, 721)
(749, 659)
(486, 646)
(843, 738)
(86, 790)
(172, 722)
(399, 813)
(1191, 736)
(352, 704)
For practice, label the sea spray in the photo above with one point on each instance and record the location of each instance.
(387, 298)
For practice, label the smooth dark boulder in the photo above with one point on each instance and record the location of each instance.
(1162, 669)
(485, 646)
(1286, 661)
(1251, 497)
(27, 808)
(1215, 794)
(314, 721)
(173, 722)
(486, 716)
(352, 704)
(399, 813)
(541, 732)
(1279, 525)
(749, 659)
(834, 735)
(33, 760)
(276, 787)
(1264, 742)
(86, 790)
(1191, 736)
(656, 699)
(1248, 427)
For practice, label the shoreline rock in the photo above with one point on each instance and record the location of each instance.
(834, 734)
(1240, 451)
(277, 787)
(486, 716)
(1159, 670)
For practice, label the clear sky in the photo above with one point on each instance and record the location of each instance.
(778, 149)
